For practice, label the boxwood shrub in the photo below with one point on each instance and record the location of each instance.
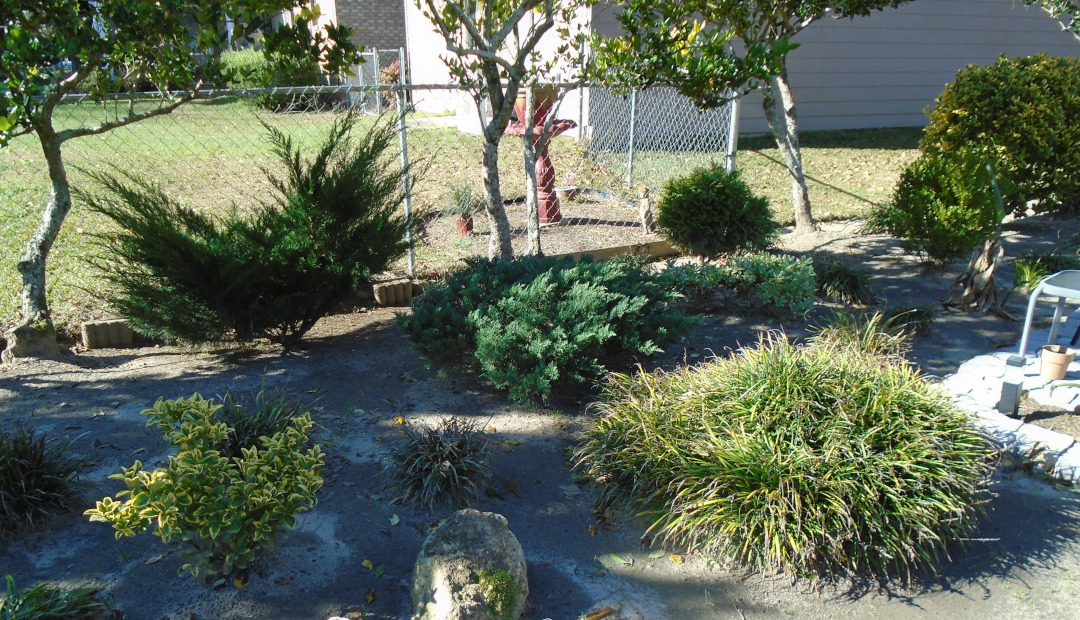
(1021, 113)
(808, 460)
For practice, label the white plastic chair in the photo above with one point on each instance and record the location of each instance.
(1063, 285)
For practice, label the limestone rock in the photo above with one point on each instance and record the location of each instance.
(27, 341)
(470, 568)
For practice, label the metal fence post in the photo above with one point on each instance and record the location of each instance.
(378, 79)
(630, 155)
(406, 185)
(733, 135)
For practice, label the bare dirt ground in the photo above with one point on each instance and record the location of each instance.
(359, 373)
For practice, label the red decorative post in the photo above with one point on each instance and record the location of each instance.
(547, 199)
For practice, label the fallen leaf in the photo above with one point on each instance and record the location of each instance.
(379, 571)
(367, 564)
(241, 579)
(491, 430)
(659, 553)
(592, 530)
(155, 559)
(114, 403)
(603, 612)
(349, 484)
(139, 451)
(513, 488)
(611, 527)
(394, 519)
(370, 596)
(400, 421)
(283, 581)
(621, 560)
(64, 405)
(676, 558)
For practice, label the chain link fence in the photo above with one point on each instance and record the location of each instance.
(214, 154)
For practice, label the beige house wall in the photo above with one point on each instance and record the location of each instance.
(883, 70)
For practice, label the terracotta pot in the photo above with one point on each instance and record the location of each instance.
(1054, 362)
(464, 226)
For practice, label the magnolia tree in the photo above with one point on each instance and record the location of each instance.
(708, 49)
(493, 49)
(50, 48)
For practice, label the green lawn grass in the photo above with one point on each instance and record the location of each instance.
(212, 155)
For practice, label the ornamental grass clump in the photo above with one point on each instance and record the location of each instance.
(838, 281)
(447, 463)
(37, 479)
(806, 460)
(45, 601)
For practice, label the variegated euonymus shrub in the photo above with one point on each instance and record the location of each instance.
(226, 510)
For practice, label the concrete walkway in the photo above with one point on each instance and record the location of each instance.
(976, 387)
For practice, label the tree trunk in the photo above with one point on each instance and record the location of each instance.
(532, 198)
(499, 245)
(780, 111)
(975, 288)
(36, 336)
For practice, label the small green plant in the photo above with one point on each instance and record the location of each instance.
(779, 280)
(464, 202)
(534, 323)
(37, 479)
(710, 212)
(48, 602)
(183, 275)
(1032, 268)
(916, 320)
(872, 333)
(443, 464)
(224, 510)
(265, 414)
(838, 281)
(807, 460)
(943, 206)
(1019, 113)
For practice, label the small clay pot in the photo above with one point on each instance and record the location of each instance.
(1054, 362)
(464, 226)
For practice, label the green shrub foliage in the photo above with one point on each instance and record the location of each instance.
(48, 602)
(448, 463)
(807, 460)
(1020, 113)
(182, 275)
(710, 212)
(37, 479)
(225, 510)
(533, 323)
(252, 69)
(943, 206)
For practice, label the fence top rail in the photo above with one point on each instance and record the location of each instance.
(213, 93)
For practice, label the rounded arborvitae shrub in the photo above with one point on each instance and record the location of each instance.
(183, 275)
(1021, 113)
(37, 479)
(805, 460)
(447, 463)
(710, 212)
(943, 206)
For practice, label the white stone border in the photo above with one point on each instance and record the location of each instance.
(976, 387)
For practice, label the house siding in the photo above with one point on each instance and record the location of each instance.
(885, 69)
(378, 23)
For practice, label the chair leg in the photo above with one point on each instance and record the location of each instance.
(1027, 319)
(1056, 326)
